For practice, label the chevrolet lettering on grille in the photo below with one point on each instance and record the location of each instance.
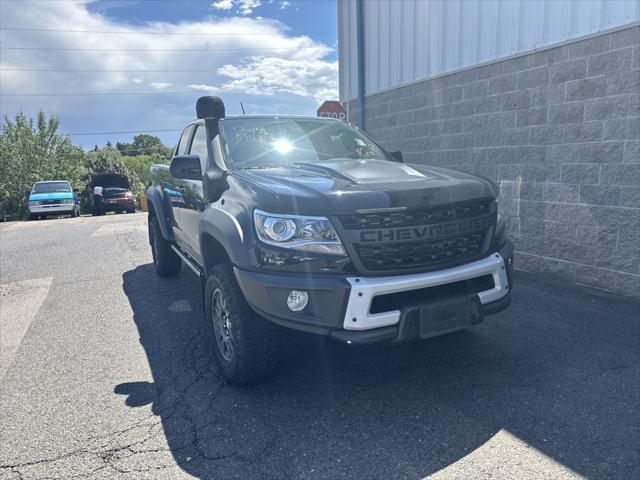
(421, 232)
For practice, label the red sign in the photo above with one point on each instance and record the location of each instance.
(332, 109)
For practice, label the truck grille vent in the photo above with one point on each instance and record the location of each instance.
(419, 254)
(416, 217)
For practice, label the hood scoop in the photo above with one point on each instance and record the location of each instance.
(365, 171)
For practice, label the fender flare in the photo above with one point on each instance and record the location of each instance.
(232, 233)
(163, 212)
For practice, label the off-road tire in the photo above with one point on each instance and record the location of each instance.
(256, 341)
(167, 263)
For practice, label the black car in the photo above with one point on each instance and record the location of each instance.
(111, 192)
(308, 224)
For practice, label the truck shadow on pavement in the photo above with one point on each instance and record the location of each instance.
(558, 370)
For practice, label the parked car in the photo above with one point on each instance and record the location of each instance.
(53, 197)
(308, 224)
(111, 192)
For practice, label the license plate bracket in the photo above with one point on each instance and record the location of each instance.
(444, 316)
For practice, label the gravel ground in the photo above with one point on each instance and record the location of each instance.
(107, 372)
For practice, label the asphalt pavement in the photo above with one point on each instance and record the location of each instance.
(106, 371)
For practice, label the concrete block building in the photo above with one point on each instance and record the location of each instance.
(541, 96)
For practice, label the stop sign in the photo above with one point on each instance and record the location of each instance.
(333, 109)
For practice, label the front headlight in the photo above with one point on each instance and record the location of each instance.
(67, 200)
(34, 203)
(298, 232)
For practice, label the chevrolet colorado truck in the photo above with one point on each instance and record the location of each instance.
(306, 223)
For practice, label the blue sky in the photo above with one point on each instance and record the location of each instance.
(274, 56)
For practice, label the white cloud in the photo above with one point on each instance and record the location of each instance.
(160, 85)
(223, 5)
(271, 76)
(254, 61)
(284, 4)
(243, 7)
(205, 88)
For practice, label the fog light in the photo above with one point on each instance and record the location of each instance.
(297, 300)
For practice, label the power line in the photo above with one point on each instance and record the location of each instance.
(96, 94)
(148, 1)
(123, 132)
(120, 32)
(181, 50)
(211, 70)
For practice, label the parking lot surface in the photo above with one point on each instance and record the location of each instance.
(107, 372)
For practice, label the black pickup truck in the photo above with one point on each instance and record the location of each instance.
(306, 223)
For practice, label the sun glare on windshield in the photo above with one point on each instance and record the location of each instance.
(282, 145)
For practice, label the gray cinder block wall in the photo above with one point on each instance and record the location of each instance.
(559, 131)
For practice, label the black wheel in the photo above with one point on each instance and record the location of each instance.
(166, 262)
(33, 216)
(246, 345)
(133, 210)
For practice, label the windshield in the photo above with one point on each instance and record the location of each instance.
(51, 187)
(269, 142)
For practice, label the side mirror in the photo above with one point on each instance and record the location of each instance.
(186, 167)
(397, 156)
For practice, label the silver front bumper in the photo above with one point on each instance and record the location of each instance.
(53, 208)
(363, 290)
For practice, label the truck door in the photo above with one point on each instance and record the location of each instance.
(174, 188)
(194, 202)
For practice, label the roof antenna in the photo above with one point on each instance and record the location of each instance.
(242, 107)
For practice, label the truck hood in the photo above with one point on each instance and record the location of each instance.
(346, 185)
(110, 180)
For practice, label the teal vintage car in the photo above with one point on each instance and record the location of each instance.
(53, 197)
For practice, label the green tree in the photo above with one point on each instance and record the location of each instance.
(33, 151)
(144, 144)
(104, 160)
(138, 168)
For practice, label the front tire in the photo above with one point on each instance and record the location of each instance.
(167, 263)
(246, 345)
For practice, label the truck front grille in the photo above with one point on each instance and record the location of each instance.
(414, 217)
(388, 256)
(418, 240)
